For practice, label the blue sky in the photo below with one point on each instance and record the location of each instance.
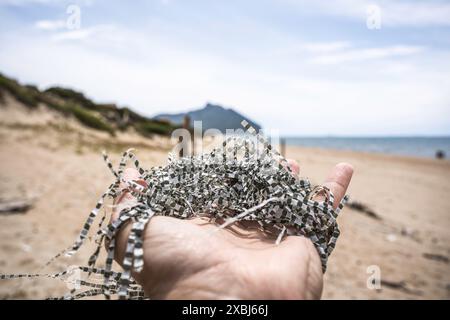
(300, 67)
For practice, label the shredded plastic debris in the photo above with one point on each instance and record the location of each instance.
(243, 180)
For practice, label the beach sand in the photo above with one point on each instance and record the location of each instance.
(58, 164)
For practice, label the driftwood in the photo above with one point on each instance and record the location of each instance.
(361, 207)
(436, 257)
(401, 286)
(15, 206)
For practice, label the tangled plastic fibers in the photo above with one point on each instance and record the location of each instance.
(243, 180)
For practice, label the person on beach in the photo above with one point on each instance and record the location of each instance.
(182, 260)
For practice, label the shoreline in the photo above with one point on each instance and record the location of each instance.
(375, 155)
(408, 146)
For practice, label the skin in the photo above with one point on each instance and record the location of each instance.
(191, 259)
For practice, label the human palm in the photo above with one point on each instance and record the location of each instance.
(193, 259)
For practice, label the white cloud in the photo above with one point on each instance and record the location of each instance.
(393, 13)
(366, 54)
(73, 35)
(94, 33)
(50, 25)
(325, 47)
(21, 3)
(293, 48)
(415, 13)
(26, 2)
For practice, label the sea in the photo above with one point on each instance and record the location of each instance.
(425, 147)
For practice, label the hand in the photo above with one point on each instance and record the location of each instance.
(183, 260)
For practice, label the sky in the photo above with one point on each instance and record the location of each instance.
(304, 68)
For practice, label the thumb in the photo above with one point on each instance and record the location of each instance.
(339, 180)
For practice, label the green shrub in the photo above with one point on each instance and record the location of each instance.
(8, 84)
(32, 88)
(150, 127)
(73, 96)
(90, 119)
(27, 98)
(26, 95)
(104, 117)
(55, 104)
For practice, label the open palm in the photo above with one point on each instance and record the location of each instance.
(192, 259)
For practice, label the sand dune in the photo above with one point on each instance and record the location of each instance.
(57, 163)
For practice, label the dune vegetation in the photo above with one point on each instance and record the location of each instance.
(71, 103)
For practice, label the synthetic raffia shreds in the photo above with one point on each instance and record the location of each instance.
(243, 180)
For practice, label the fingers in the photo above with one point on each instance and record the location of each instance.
(338, 181)
(126, 199)
(295, 167)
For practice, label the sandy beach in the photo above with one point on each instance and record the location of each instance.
(58, 164)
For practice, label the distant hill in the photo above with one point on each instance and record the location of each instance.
(212, 116)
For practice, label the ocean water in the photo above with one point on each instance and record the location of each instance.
(407, 146)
